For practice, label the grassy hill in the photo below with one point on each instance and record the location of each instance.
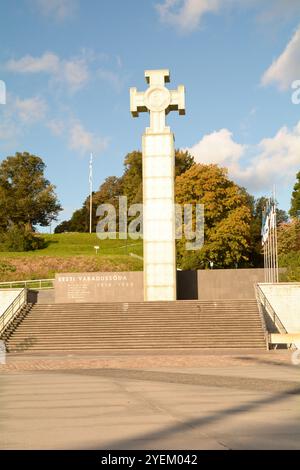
(71, 252)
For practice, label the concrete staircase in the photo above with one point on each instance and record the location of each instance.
(156, 325)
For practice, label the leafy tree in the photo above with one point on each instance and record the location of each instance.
(20, 238)
(79, 222)
(63, 227)
(227, 217)
(289, 237)
(109, 191)
(256, 252)
(26, 196)
(289, 250)
(281, 217)
(295, 201)
(257, 207)
(133, 176)
(183, 161)
(129, 184)
(291, 264)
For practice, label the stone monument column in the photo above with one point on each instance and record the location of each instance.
(158, 184)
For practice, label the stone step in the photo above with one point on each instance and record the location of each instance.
(144, 335)
(153, 310)
(153, 325)
(142, 344)
(135, 327)
(162, 314)
(70, 347)
(190, 329)
(126, 330)
(114, 321)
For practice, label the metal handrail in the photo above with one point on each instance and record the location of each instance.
(35, 284)
(262, 317)
(12, 310)
(267, 308)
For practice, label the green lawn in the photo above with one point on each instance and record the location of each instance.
(75, 244)
(71, 252)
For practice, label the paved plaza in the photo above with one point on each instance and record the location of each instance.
(132, 400)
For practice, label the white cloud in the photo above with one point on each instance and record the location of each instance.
(273, 160)
(79, 139)
(218, 147)
(48, 63)
(57, 9)
(74, 72)
(277, 10)
(186, 14)
(111, 77)
(286, 68)
(18, 116)
(83, 141)
(56, 126)
(8, 129)
(30, 110)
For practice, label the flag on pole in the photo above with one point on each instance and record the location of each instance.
(266, 223)
(268, 220)
(273, 217)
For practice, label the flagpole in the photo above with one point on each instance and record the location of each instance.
(265, 262)
(264, 242)
(268, 243)
(275, 239)
(91, 191)
(271, 242)
(271, 238)
(268, 257)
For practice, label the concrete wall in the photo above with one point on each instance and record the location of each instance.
(128, 286)
(228, 283)
(7, 296)
(285, 300)
(45, 296)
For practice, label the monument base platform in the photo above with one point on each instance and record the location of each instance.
(191, 324)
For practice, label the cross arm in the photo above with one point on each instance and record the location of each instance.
(178, 100)
(137, 103)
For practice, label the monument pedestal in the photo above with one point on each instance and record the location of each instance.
(159, 217)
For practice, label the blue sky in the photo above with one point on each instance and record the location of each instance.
(68, 66)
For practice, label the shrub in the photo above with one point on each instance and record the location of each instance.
(290, 261)
(20, 239)
(7, 268)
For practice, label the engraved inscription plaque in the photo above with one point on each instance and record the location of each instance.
(99, 287)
